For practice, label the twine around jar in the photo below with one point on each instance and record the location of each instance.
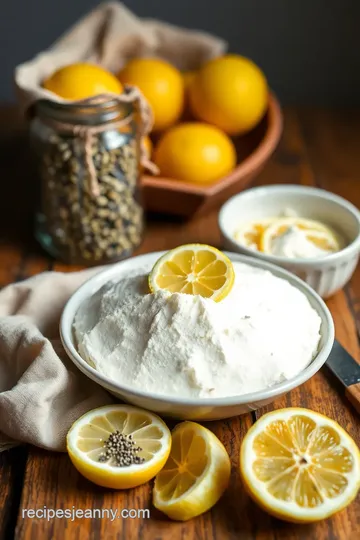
(87, 133)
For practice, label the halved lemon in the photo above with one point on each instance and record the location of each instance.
(249, 234)
(119, 446)
(196, 474)
(299, 465)
(317, 233)
(194, 269)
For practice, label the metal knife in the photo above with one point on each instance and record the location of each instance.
(347, 370)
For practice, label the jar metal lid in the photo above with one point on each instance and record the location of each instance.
(98, 111)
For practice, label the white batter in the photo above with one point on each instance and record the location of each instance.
(263, 332)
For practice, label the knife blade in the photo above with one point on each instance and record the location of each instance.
(347, 370)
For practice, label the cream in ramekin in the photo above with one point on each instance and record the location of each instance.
(326, 274)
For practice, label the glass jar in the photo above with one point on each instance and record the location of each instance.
(89, 163)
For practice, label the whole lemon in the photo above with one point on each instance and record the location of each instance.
(162, 85)
(195, 152)
(230, 92)
(81, 80)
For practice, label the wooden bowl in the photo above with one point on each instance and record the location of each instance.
(170, 196)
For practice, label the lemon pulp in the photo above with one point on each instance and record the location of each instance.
(193, 269)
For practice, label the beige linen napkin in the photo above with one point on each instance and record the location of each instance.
(110, 35)
(41, 391)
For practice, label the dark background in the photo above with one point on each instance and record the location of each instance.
(309, 49)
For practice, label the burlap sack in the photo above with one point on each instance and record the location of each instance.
(111, 35)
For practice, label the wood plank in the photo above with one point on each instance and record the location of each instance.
(12, 467)
(164, 234)
(333, 142)
(10, 263)
(35, 264)
(12, 462)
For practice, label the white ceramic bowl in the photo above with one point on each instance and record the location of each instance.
(325, 275)
(177, 406)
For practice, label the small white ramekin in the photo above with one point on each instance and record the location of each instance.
(325, 275)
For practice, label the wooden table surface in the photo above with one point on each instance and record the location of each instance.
(319, 147)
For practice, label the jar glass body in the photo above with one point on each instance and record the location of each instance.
(86, 218)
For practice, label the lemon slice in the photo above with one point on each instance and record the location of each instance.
(119, 446)
(194, 269)
(317, 233)
(249, 234)
(195, 475)
(299, 465)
